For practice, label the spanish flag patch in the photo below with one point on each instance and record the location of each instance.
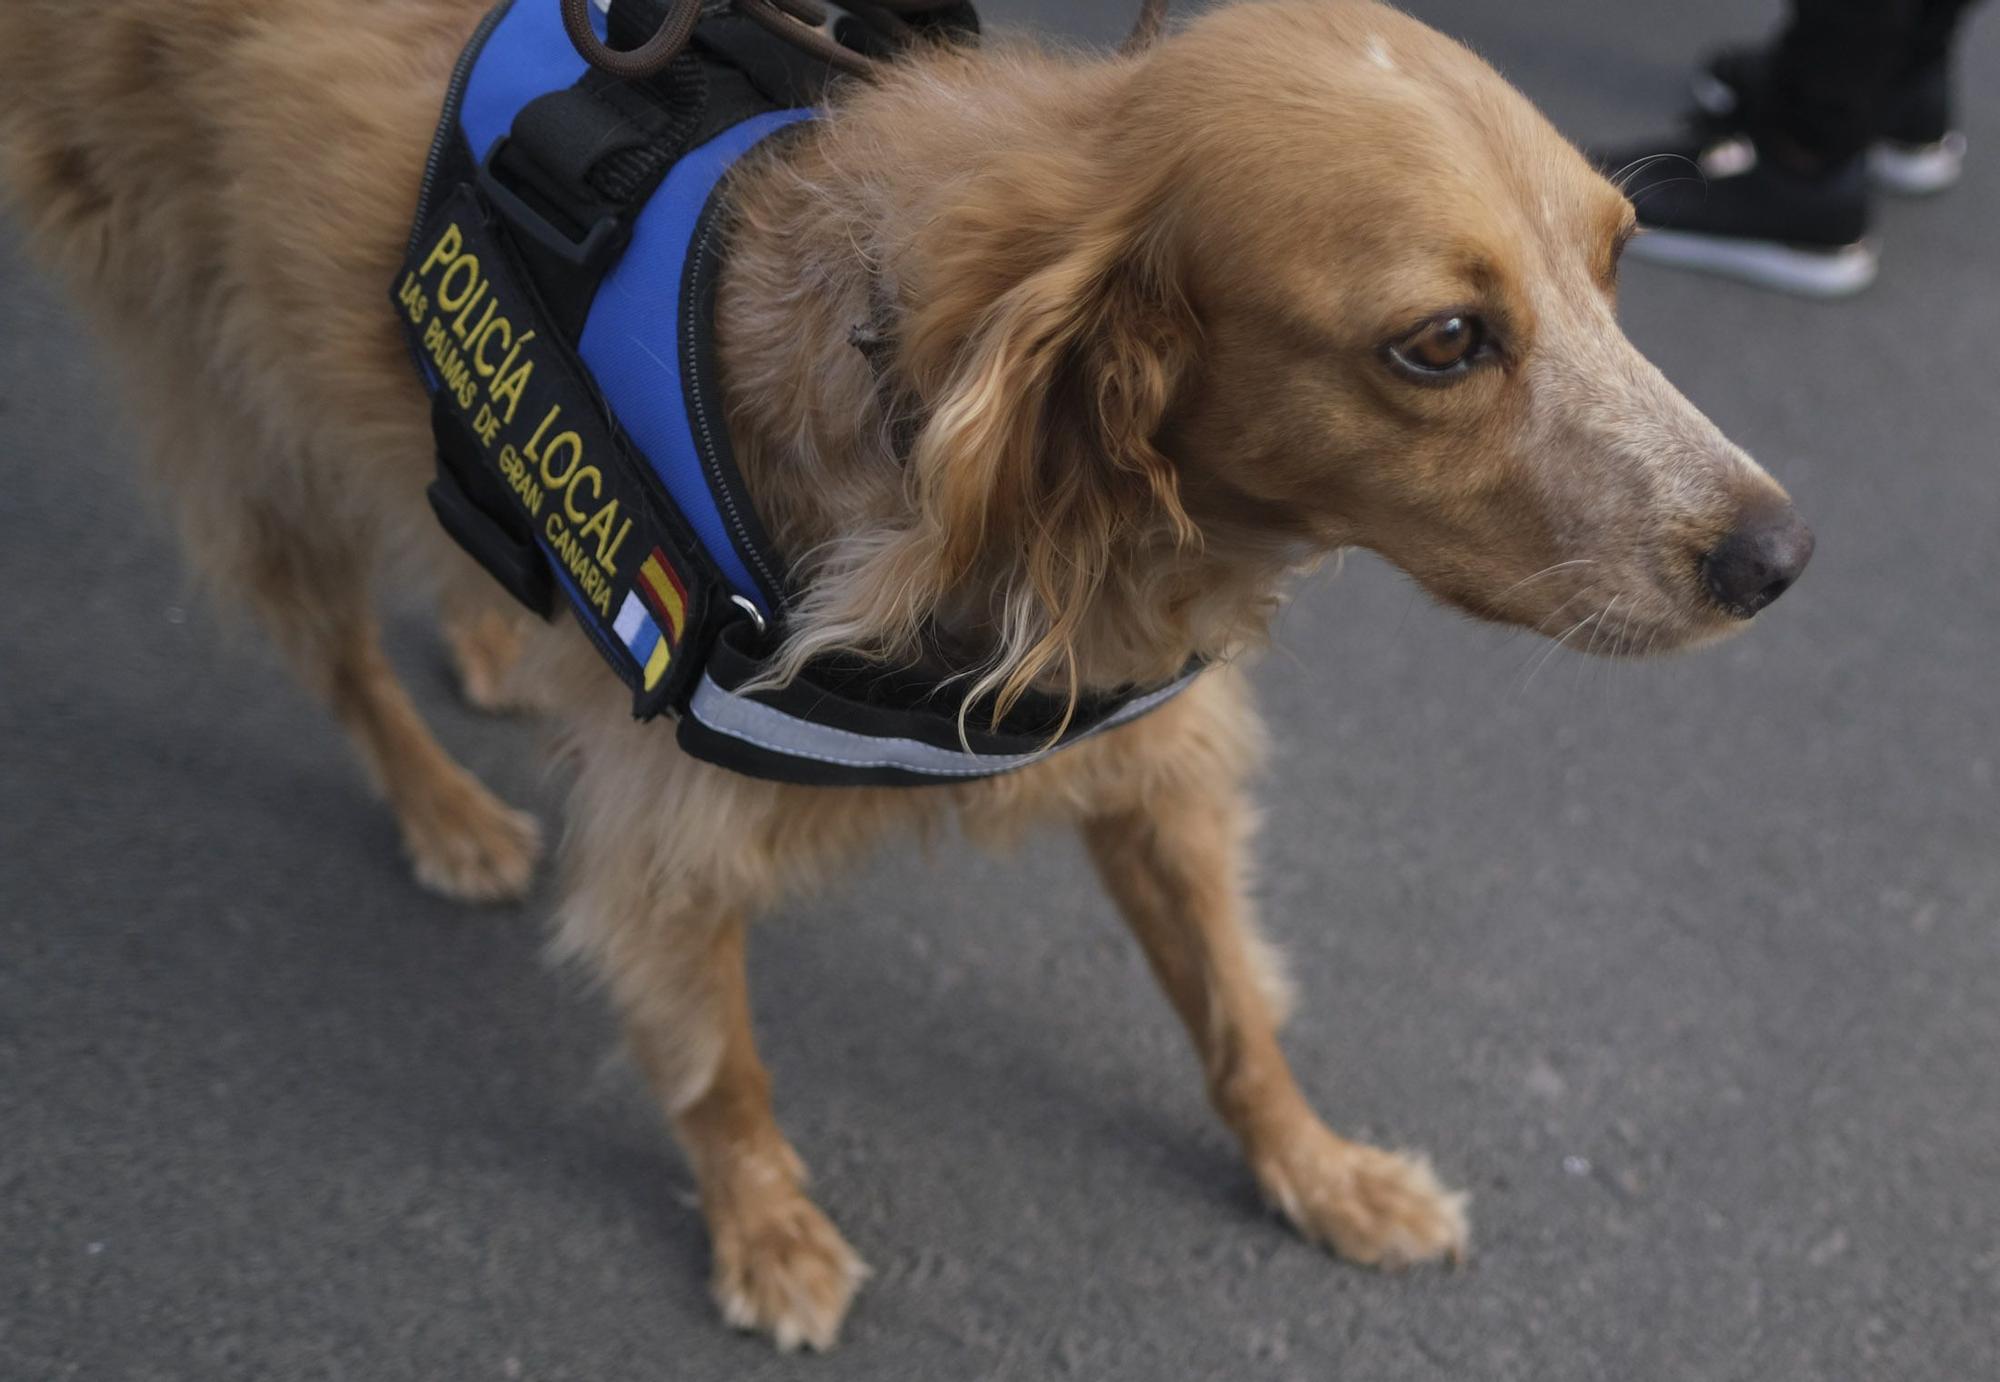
(665, 593)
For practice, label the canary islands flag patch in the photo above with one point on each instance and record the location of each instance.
(642, 639)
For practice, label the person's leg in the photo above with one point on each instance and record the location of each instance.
(1936, 32)
(1918, 148)
(1830, 74)
(1770, 182)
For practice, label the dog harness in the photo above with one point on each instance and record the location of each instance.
(559, 299)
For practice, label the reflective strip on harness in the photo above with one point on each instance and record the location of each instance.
(772, 730)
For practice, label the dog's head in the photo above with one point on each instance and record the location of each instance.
(1309, 275)
(1405, 283)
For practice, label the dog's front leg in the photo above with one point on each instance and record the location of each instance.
(667, 860)
(1175, 867)
(485, 633)
(780, 1266)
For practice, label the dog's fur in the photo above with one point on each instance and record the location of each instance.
(1143, 307)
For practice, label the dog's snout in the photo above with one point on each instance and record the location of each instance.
(1758, 561)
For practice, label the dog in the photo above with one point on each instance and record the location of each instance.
(1173, 326)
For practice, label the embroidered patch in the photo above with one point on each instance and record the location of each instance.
(537, 436)
(664, 592)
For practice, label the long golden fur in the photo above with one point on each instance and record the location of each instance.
(1143, 305)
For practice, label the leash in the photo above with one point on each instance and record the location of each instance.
(806, 25)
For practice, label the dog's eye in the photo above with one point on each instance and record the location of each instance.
(1441, 347)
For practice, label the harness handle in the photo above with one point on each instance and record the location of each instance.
(799, 23)
(631, 64)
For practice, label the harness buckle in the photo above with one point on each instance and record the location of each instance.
(594, 250)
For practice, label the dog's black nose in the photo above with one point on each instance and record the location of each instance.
(1758, 562)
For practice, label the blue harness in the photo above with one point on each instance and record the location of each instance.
(559, 297)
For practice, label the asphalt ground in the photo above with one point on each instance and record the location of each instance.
(1687, 970)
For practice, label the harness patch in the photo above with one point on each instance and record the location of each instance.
(543, 438)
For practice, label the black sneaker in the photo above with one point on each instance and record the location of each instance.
(1717, 201)
(1919, 152)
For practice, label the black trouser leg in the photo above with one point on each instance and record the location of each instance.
(1937, 30)
(1830, 69)
(1837, 60)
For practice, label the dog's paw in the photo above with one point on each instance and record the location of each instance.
(1377, 1208)
(785, 1271)
(467, 844)
(485, 651)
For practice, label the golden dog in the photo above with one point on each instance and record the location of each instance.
(1303, 276)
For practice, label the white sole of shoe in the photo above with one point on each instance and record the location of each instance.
(1835, 273)
(1917, 170)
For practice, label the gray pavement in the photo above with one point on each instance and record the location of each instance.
(1688, 970)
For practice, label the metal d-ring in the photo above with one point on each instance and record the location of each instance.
(756, 615)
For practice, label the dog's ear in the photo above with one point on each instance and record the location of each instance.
(1053, 341)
